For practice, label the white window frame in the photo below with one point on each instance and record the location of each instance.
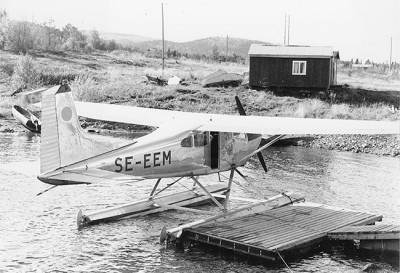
(304, 72)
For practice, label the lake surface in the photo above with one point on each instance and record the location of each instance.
(39, 233)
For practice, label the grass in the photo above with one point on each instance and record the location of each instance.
(371, 79)
(119, 76)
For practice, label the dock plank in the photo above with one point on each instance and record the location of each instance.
(382, 232)
(281, 229)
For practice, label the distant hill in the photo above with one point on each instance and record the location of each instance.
(202, 46)
(123, 38)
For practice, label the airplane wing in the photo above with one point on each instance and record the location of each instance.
(127, 114)
(301, 126)
(230, 123)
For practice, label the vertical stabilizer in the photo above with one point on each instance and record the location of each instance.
(63, 141)
(49, 148)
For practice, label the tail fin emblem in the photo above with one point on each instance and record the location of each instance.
(66, 113)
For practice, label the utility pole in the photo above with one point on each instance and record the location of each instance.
(162, 13)
(390, 59)
(284, 33)
(288, 31)
(226, 53)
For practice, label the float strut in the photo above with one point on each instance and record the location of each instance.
(208, 193)
(228, 192)
(154, 188)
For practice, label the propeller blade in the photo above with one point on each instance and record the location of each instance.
(262, 161)
(250, 136)
(239, 106)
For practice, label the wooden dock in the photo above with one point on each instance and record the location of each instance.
(379, 237)
(279, 230)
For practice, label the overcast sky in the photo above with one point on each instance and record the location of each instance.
(357, 28)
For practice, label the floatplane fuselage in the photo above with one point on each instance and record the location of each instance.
(188, 153)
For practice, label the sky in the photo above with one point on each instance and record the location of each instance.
(356, 28)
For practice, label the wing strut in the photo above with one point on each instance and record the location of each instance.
(275, 139)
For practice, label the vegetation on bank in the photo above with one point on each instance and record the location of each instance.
(119, 77)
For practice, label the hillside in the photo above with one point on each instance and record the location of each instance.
(123, 38)
(204, 46)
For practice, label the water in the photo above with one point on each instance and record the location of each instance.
(39, 234)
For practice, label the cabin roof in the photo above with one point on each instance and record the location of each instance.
(260, 50)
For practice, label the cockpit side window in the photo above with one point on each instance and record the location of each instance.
(187, 142)
(201, 139)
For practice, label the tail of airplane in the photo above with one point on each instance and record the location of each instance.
(63, 141)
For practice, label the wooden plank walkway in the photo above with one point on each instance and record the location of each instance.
(378, 232)
(278, 230)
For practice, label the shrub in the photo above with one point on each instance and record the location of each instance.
(85, 89)
(7, 68)
(55, 77)
(26, 73)
(311, 109)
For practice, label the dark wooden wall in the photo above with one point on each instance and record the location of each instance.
(277, 72)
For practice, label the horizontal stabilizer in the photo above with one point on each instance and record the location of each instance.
(93, 176)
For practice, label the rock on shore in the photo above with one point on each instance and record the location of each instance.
(388, 145)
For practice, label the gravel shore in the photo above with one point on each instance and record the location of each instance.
(386, 145)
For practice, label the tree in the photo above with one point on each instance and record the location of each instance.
(74, 39)
(18, 37)
(215, 53)
(95, 39)
(49, 27)
(110, 45)
(3, 21)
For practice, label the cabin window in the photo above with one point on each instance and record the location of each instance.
(299, 68)
(187, 142)
(201, 139)
(240, 136)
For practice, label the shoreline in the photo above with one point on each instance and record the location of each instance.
(382, 145)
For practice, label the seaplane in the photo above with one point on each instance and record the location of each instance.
(184, 145)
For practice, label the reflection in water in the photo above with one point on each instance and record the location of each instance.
(39, 233)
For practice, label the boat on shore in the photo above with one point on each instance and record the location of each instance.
(27, 119)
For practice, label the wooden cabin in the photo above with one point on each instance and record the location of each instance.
(306, 67)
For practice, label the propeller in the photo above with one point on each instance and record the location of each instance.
(242, 112)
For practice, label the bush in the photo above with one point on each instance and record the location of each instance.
(7, 68)
(55, 78)
(26, 73)
(85, 89)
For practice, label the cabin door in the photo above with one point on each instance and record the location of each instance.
(214, 154)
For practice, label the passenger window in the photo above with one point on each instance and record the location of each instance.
(187, 142)
(200, 139)
(240, 135)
